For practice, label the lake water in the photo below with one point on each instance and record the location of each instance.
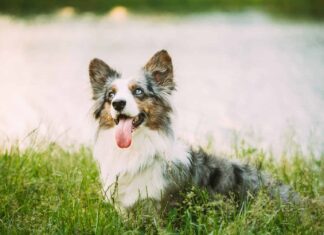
(243, 75)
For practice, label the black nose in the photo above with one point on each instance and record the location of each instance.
(119, 105)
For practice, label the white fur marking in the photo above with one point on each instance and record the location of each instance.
(139, 171)
(123, 93)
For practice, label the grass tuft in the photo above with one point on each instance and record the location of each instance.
(56, 191)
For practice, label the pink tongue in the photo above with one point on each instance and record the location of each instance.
(123, 133)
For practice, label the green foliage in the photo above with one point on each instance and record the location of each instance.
(56, 191)
(308, 8)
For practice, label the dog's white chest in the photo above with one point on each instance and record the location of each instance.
(149, 183)
(139, 169)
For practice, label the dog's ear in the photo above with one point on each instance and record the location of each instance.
(99, 73)
(160, 69)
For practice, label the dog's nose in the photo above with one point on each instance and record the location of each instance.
(119, 105)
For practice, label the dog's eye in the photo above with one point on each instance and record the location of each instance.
(138, 91)
(111, 95)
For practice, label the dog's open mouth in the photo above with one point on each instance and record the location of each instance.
(125, 126)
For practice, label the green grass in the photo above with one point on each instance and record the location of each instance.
(57, 191)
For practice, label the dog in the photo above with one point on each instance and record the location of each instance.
(137, 151)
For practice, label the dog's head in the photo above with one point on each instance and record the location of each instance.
(128, 104)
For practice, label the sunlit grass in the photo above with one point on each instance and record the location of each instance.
(56, 191)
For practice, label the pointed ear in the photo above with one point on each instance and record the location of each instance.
(160, 69)
(99, 73)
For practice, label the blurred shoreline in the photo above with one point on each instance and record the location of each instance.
(289, 8)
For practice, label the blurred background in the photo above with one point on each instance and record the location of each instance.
(248, 70)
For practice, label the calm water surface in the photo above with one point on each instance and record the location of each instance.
(240, 75)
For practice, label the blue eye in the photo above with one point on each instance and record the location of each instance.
(138, 91)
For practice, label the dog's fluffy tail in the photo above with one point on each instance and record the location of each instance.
(225, 177)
